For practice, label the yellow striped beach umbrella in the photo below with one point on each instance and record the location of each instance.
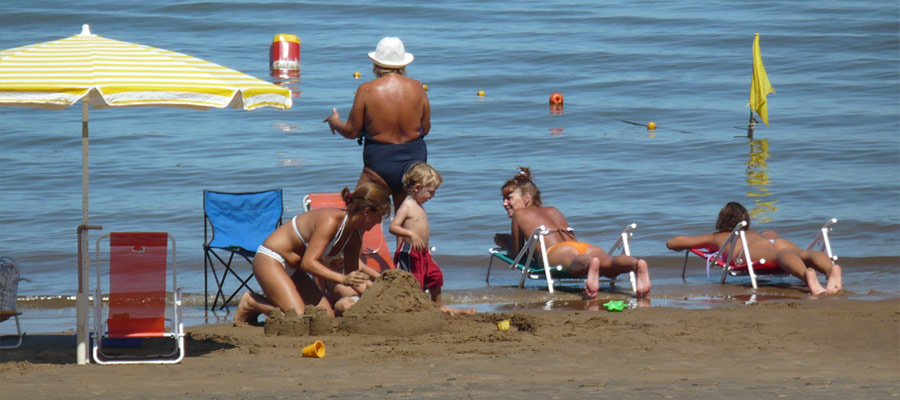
(110, 73)
(101, 73)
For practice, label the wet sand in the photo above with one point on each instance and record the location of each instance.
(829, 348)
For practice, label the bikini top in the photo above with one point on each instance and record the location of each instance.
(326, 258)
(568, 231)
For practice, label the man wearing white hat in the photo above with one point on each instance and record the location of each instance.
(390, 116)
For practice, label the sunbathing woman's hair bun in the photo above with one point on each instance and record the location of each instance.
(523, 182)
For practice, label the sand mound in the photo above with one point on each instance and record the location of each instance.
(393, 306)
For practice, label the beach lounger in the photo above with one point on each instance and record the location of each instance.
(539, 269)
(234, 225)
(9, 288)
(137, 267)
(375, 253)
(743, 265)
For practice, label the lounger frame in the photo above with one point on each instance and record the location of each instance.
(543, 269)
(11, 277)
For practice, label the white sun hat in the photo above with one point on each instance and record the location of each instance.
(390, 53)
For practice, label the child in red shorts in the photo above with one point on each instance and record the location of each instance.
(410, 224)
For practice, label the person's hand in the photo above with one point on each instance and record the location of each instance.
(331, 118)
(417, 242)
(354, 279)
(503, 240)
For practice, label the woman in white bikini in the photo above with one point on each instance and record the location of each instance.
(800, 263)
(307, 245)
(522, 201)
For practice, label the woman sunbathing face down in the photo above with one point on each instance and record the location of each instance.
(798, 262)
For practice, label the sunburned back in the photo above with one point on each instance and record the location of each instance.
(396, 109)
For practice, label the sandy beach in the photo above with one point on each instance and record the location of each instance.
(827, 348)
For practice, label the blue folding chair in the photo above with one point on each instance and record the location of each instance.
(235, 224)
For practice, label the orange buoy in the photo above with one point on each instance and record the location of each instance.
(480, 93)
(651, 126)
(356, 75)
(556, 99)
(425, 87)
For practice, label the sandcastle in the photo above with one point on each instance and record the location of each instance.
(393, 306)
(314, 321)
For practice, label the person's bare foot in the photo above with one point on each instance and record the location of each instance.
(835, 281)
(243, 316)
(642, 271)
(592, 305)
(458, 311)
(813, 282)
(592, 284)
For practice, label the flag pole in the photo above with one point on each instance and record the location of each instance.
(750, 124)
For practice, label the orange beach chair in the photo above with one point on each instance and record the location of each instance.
(137, 297)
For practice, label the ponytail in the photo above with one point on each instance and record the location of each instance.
(367, 195)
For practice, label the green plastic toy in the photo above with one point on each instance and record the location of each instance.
(615, 305)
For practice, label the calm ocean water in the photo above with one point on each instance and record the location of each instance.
(832, 149)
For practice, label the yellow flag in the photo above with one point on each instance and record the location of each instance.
(759, 85)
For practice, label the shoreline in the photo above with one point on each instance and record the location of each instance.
(51, 314)
(830, 349)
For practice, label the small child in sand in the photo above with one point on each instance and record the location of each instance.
(410, 225)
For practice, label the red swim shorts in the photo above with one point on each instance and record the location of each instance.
(420, 265)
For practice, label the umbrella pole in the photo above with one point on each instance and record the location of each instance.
(81, 300)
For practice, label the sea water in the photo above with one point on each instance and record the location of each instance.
(831, 149)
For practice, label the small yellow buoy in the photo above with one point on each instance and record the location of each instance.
(480, 93)
(356, 75)
(651, 126)
(425, 87)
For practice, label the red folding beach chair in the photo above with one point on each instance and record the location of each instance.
(375, 253)
(744, 265)
(137, 299)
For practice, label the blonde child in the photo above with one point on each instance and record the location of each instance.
(410, 225)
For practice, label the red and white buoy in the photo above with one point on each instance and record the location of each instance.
(284, 55)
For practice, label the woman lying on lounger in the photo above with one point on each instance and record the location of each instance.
(798, 262)
(305, 245)
(522, 201)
